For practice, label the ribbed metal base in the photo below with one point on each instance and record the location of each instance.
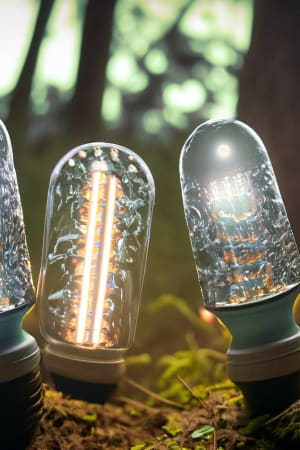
(21, 408)
(90, 392)
(271, 396)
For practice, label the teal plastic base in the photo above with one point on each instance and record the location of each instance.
(264, 356)
(21, 409)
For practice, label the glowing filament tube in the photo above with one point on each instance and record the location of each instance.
(89, 278)
(98, 253)
(105, 255)
(88, 258)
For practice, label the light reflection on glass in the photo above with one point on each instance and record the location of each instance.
(241, 238)
(16, 287)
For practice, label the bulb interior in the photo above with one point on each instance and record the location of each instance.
(242, 242)
(95, 244)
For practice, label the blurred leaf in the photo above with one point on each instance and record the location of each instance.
(203, 431)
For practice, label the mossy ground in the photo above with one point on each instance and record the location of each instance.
(214, 418)
(174, 400)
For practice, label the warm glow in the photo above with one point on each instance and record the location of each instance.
(104, 256)
(224, 151)
(88, 257)
(97, 256)
(206, 315)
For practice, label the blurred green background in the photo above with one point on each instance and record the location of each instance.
(144, 74)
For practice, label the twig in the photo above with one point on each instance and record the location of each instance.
(133, 403)
(215, 439)
(153, 394)
(294, 406)
(195, 396)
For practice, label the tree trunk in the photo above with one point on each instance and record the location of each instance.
(85, 106)
(270, 96)
(20, 99)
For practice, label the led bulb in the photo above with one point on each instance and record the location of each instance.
(96, 238)
(20, 382)
(245, 253)
(242, 241)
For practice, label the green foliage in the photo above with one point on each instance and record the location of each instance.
(288, 424)
(135, 413)
(140, 446)
(170, 324)
(207, 430)
(197, 367)
(254, 425)
(141, 359)
(166, 301)
(213, 333)
(172, 432)
(90, 418)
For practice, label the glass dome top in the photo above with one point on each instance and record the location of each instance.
(242, 242)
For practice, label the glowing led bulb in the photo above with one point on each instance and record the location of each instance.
(95, 245)
(20, 381)
(246, 256)
(243, 245)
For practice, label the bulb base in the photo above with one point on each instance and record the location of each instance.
(20, 387)
(85, 374)
(270, 396)
(269, 377)
(82, 390)
(21, 409)
(264, 356)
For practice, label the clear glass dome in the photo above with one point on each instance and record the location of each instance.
(16, 287)
(242, 242)
(96, 237)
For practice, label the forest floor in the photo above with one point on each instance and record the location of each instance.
(214, 420)
(169, 400)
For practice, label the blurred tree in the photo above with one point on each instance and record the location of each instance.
(81, 111)
(160, 66)
(181, 70)
(269, 96)
(163, 66)
(84, 107)
(19, 109)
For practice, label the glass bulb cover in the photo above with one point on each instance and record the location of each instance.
(96, 237)
(242, 242)
(16, 287)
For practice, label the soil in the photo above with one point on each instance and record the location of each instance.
(217, 420)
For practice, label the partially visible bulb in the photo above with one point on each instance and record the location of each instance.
(246, 256)
(20, 381)
(96, 239)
